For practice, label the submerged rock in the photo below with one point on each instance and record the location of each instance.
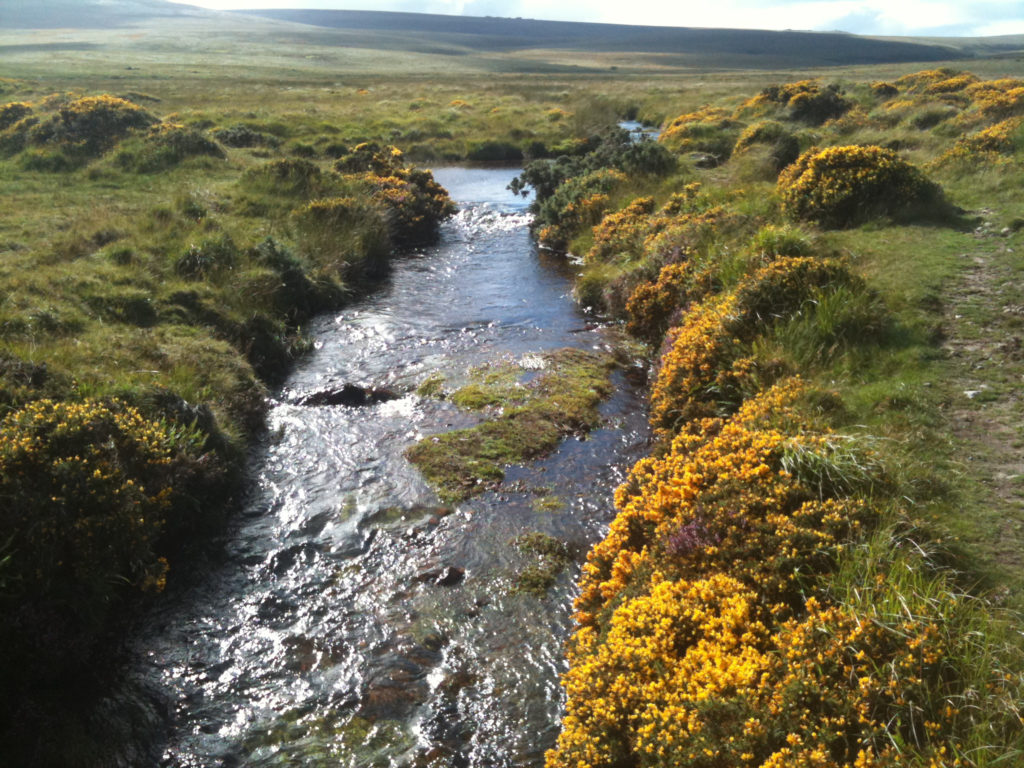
(448, 576)
(350, 395)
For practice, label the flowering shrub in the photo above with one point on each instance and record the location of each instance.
(710, 130)
(990, 145)
(691, 231)
(652, 305)
(884, 90)
(952, 84)
(805, 101)
(707, 367)
(704, 371)
(916, 82)
(677, 658)
(370, 157)
(998, 99)
(87, 489)
(165, 146)
(579, 202)
(622, 234)
(12, 113)
(89, 126)
(706, 637)
(781, 287)
(415, 204)
(843, 186)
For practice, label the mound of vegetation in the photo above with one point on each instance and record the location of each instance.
(165, 146)
(534, 417)
(92, 489)
(78, 131)
(805, 101)
(843, 186)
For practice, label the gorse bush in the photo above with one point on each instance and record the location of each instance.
(992, 145)
(622, 234)
(710, 130)
(93, 476)
(708, 367)
(413, 202)
(83, 129)
(165, 146)
(998, 99)
(614, 150)
(12, 113)
(370, 157)
(844, 186)
(580, 202)
(91, 492)
(804, 101)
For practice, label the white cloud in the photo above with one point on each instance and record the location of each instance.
(1007, 27)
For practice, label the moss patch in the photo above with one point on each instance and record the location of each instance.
(550, 396)
(549, 558)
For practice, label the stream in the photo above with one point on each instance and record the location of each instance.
(353, 620)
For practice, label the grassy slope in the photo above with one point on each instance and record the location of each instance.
(930, 394)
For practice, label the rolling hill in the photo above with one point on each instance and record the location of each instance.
(475, 37)
(506, 35)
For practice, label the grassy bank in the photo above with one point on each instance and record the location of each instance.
(156, 279)
(803, 573)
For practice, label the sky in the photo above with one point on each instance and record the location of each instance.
(960, 18)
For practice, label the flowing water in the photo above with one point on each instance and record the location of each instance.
(352, 619)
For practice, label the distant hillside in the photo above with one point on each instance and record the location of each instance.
(87, 14)
(1000, 45)
(499, 34)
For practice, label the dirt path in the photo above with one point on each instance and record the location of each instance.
(984, 326)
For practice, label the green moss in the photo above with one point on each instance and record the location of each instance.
(548, 556)
(549, 503)
(557, 401)
(493, 384)
(432, 386)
